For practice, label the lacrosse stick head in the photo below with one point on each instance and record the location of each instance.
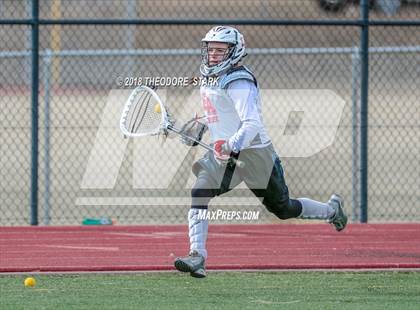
(144, 114)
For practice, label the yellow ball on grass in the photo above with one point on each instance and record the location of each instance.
(30, 282)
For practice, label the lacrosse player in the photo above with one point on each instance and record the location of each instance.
(233, 117)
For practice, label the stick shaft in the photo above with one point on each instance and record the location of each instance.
(206, 146)
(237, 162)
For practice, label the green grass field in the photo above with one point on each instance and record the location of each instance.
(227, 290)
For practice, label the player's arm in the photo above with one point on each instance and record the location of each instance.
(244, 94)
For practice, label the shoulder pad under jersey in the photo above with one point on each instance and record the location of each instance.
(237, 73)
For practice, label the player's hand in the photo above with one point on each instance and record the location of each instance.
(221, 150)
(194, 129)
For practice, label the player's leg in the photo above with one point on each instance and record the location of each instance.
(201, 194)
(313, 209)
(276, 199)
(331, 211)
(263, 175)
(213, 179)
(276, 194)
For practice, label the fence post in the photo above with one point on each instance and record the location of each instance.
(34, 113)
(355, 96)
(47, 87)
(364, 53)
(130, 41)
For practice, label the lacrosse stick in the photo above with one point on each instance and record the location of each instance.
(144, 114)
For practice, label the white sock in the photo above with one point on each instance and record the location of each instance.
(312, 209)
(198, 229)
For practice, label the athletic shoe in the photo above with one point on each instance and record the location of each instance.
(193, 263)
(339, 220)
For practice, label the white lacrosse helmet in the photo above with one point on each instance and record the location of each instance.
(234, 53)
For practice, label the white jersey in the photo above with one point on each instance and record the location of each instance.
(233, 111)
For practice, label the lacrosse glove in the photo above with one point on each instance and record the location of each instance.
(193, 129)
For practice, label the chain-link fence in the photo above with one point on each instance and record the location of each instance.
(308, 65)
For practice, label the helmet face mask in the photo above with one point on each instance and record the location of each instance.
(205, 53)
(233, 46)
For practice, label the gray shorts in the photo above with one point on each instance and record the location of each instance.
(262, 173)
